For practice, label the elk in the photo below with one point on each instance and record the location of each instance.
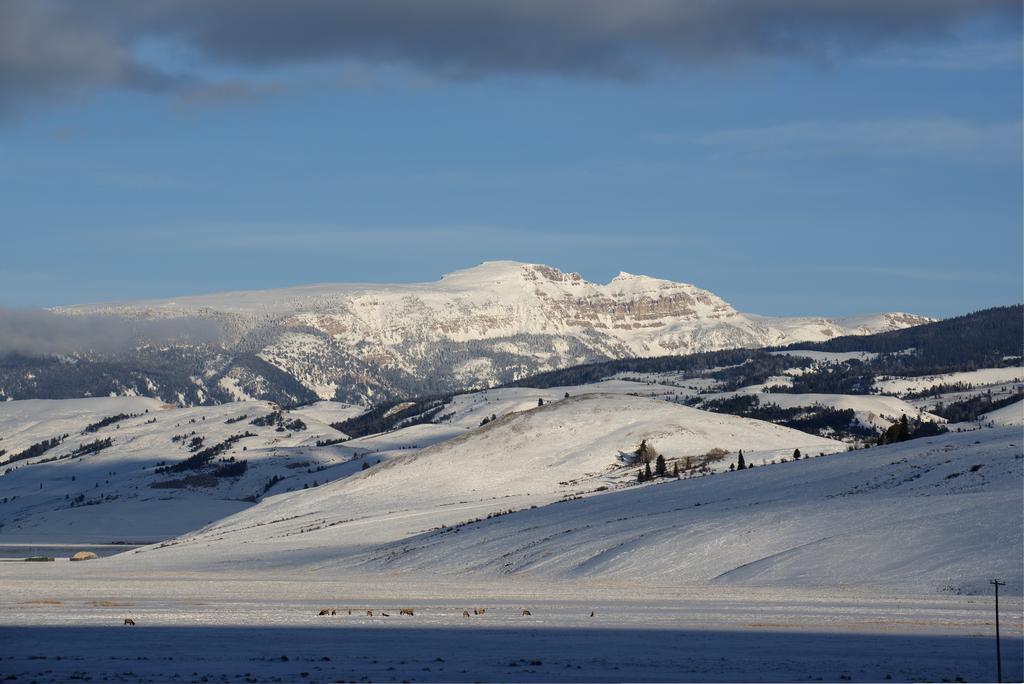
(369, 613)
(526, 612)
(479, 611)
(405, 611)
(465, 613)
(324, 611)
(129, 622)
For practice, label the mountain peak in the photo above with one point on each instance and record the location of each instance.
(504, 272)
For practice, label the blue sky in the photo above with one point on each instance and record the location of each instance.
(883, 177)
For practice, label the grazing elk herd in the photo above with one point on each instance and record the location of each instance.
(410, 612)
(369, 613)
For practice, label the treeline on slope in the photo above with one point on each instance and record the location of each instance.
(825, 421)
(743, 366)
(109, 420)
(990, 338)
(37, 449)
(202, 458)
(170, 371)
(974, 407)
(182, 375)
(389, 415)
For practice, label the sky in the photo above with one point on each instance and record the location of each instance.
(795, 157)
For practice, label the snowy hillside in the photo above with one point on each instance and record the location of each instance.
(876, 411)
(981, 378)
(920, 516)
(494, 323)
(116, 469)
(1008, 415)
(563, 449)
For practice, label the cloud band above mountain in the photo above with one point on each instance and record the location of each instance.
(54, 48)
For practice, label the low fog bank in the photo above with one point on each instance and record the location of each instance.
(36, 332)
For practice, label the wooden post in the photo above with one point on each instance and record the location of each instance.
(999, 660)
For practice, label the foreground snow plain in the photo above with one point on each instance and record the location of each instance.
(64, 622)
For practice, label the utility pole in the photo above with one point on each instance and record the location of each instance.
(999, 660)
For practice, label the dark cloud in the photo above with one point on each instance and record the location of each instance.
(61, 47)
(46, 53)
(34, 332)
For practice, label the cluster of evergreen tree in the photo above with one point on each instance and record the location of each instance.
(388, 416)
(232, 469)
(741, 462)
(291, 425)
(905, 429)
(37, 449)
(109, 420)
(936, 390)
(973, 408)
(645, 454)
(266, 420)
(329, 442)
(277, 418)
(202, 458)
(850, 377)
(816, 420)
(92, 447)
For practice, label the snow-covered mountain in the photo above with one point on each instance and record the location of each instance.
(494, 323)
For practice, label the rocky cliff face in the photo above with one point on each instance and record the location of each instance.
(494, 323)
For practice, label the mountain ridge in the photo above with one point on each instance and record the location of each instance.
(482, 326)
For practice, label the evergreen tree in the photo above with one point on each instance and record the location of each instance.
(540, 402)
(796, 454)
(639, 476)
(741, 463)
(675, 470)
(659, 466)
(647, 471)
(903, 433)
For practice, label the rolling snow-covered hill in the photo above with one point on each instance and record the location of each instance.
(926, 515)
(494, 323)
(544, 495)
(562, 449)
